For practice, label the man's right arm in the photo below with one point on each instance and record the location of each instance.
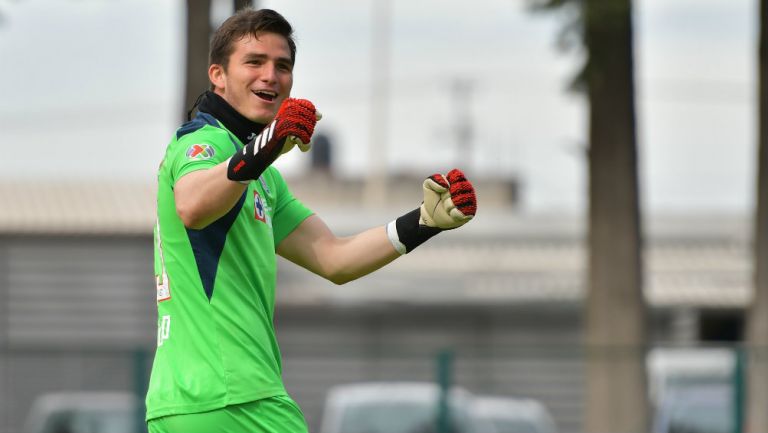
(203, 196)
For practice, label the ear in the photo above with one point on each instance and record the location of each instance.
(217, 76)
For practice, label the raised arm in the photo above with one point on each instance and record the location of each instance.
(204, 196)
(449, 202)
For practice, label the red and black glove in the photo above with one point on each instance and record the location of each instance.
(449, 202)
(294, 124)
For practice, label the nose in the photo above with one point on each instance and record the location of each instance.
(269, 73)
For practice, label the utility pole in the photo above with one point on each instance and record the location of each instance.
(376, 177)
(463, 131)
(757, 312)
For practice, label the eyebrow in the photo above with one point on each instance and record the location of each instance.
(255, 56)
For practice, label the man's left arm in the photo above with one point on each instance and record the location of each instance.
(313, 246)
(449, 202)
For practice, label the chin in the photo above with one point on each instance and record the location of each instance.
(262, 117)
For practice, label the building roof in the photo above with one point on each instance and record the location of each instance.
(76, 207)
(504, 255)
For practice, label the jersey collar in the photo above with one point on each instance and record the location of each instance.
(245, 130)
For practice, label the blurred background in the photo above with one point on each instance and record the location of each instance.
(611, 282)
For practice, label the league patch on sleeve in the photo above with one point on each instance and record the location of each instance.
(200, 151)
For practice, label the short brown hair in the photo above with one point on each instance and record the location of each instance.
(244, 22)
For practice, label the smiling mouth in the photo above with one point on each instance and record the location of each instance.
(266, 95)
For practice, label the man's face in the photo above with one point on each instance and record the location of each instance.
(258, 78)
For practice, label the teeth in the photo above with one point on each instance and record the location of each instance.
(266, 92)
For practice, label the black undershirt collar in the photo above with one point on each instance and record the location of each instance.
(243, 128)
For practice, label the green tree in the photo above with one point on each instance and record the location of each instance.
(615, 310)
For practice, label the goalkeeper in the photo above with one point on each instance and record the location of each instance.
(223, 211)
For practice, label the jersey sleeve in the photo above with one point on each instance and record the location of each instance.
(199, 150)
(289, 212)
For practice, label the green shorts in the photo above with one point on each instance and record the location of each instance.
(270, 415)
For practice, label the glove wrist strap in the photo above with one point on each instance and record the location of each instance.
(394, 238)
(405, 233)
(249, 162)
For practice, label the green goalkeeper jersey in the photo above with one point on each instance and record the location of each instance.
(216, 342)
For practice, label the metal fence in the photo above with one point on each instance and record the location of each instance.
(553, 375)
(77, 314)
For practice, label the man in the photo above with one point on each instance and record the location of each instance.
(223, 213)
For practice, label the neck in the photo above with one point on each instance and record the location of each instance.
(242, 127)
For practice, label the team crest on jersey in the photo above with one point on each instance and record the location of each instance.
(260, 208)
(200, 151)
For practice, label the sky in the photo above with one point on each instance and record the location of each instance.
(93, 90)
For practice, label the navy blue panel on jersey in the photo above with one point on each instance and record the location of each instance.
(198, 122)
(208, 244)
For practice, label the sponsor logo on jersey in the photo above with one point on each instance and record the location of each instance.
(265, 186)
(163, 329)
(163, 291)
(260, 210)
(200, 151)
(161, 277)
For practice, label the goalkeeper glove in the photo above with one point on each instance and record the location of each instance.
(293, 125)
(449, 202)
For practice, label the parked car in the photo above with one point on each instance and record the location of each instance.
(514, 415)
(83, 412)
(397, 407)
(692, 390)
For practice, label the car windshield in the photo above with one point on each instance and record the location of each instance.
(397, 417)
(515, 426)
(703, 419)
(104, 421)
(706, 408)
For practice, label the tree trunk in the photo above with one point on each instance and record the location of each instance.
(240, 4)
(757, 325)
(615, 308)
(198, 39)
